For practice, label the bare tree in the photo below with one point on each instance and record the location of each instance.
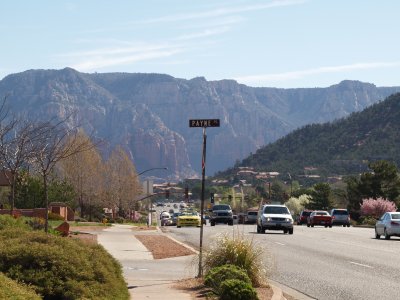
(16, 150)
(55, 143)
(85, 171)
(121, 180)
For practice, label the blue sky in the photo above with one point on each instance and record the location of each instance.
(283, 43)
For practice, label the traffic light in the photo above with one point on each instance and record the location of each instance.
(167, 194)
(230, 197)
(212, 197)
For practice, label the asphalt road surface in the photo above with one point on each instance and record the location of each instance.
(324, 263)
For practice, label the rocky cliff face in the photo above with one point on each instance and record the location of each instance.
(148, 113)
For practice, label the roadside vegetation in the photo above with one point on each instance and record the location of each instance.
(55, 267)
(234, 267)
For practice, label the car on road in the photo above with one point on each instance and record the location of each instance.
(319, 217)
(340, 216)
(303, 216)
(251, 217)
(188, 218)
(388, 225)
(274, 217)
(221, 213)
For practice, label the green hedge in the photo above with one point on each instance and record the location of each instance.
(238, 290)
(9, 289)
(217, 275)
(60, 268)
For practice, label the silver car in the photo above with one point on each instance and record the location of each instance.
(388, 225)
(274, 217)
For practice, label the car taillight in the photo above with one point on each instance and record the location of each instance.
(333, 217)
(394, 223)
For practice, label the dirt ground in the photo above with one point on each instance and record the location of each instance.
(162, 246)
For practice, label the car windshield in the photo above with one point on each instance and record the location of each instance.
(306, 213)
(395, 216)
(221, 207)
(276, 210)
(252, 213)
(340, 212)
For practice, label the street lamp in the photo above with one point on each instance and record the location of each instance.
(147, 191)
(163, 168)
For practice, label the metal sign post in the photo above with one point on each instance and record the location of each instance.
(204, 123)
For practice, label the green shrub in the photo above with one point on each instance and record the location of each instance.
(7, 221)
(60, 268)
(36, 223)
(240, 252)
(119, 220)
(10, 289)
(368, 220)
(217, 275)
(238, 290)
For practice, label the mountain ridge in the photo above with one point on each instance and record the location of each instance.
(148, 113)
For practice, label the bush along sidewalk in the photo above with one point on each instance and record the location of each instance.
(230, 282)
(59, 268)
(234, 267)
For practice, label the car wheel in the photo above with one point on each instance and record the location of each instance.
(308, 225)
(344, 225)
(212, 223)
(230, 223)
(178, 226)
(387, 236)
(326, 226)
(284, 231)
(291, 231)
(348, 225)
(330, 226)
(312, 225)
(377, 236)
(258, 229)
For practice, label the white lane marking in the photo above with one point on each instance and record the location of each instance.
(279, 243)
(362, 265)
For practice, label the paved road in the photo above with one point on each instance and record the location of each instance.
(324, 263)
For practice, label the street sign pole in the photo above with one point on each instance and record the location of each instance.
(204, 123)
(203, 176)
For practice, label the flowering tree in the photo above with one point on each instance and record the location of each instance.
(296, 205)
(376, 207)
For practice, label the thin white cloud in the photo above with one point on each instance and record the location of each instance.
(316, 71)
(98, 62)
(222, 11)
(204, 33)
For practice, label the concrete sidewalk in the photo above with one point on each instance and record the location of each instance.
(148, 278)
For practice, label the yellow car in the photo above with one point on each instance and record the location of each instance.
(188, 218)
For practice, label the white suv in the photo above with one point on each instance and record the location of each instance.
(274, 217)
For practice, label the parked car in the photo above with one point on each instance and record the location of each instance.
(188, 218)
(319, 217)
(340, 216)
(274, 217)
(221, 213)
(388, 225)
(251, 217)
(303, 216)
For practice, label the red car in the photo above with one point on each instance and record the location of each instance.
(319, 217)
(303, 217)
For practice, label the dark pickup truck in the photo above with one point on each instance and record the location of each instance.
(319, 217)
(221, 213)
